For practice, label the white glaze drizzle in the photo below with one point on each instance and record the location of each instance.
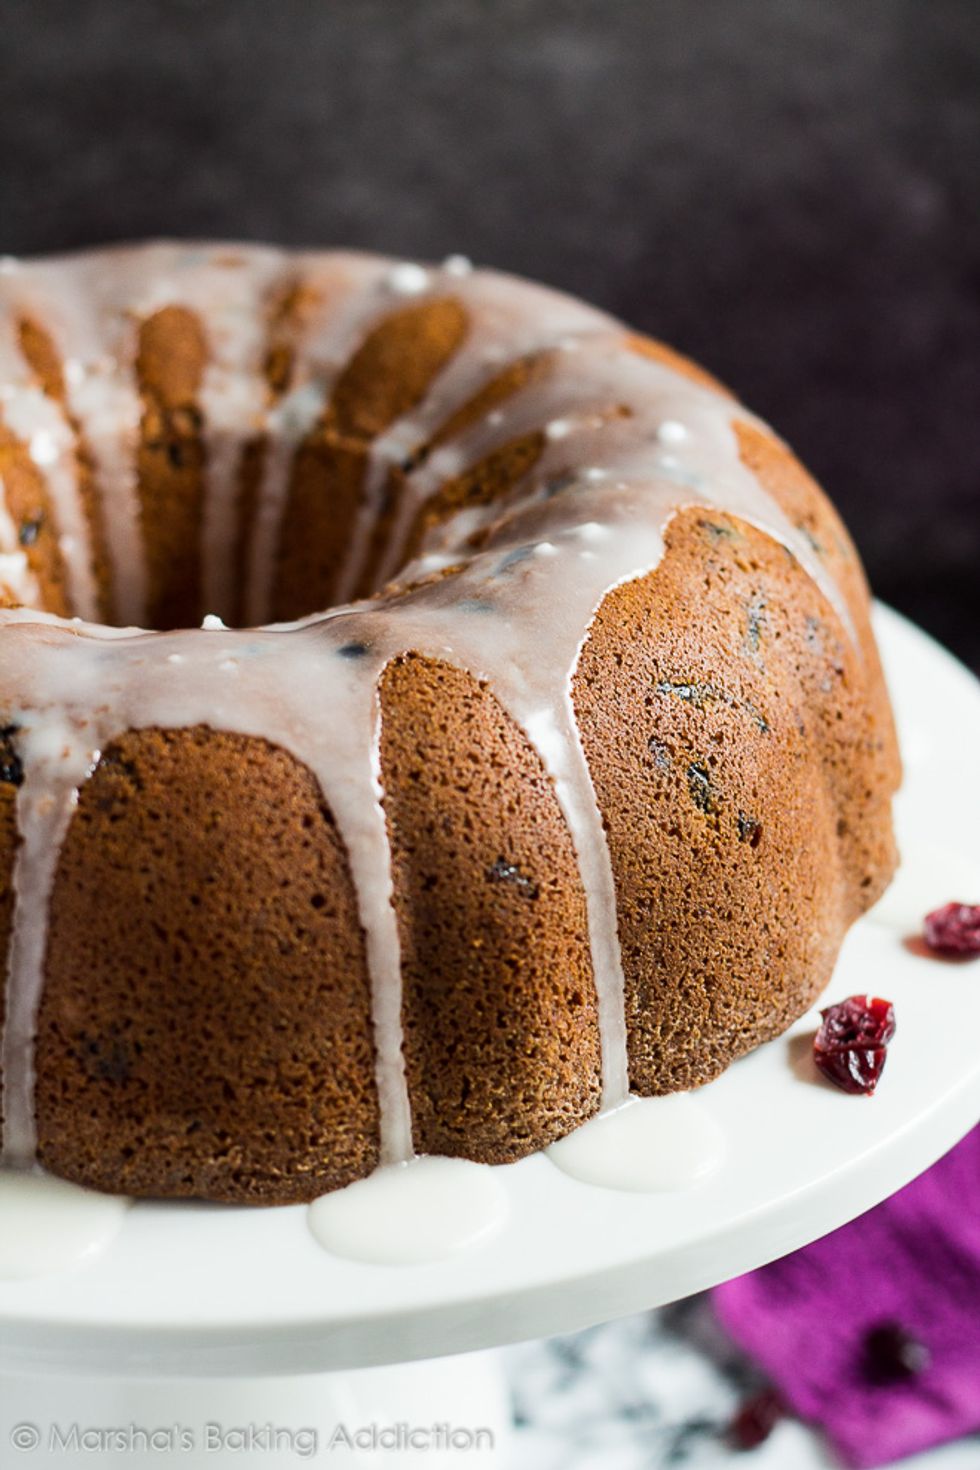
(351, 292)
(84, 302)
(504, 325)
(42, 428)
(56, 761)
(516, 615)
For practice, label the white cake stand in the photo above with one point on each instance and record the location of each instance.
(200, 1314)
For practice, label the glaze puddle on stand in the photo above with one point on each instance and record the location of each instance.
(407, 1214)
(647, 1145)
(49, 1225)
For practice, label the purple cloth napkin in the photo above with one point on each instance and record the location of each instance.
(914, 1261)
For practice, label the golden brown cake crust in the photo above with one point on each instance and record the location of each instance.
(32, 513)
(169, 367)
(716, 739)
(501, 1035)
(205, 1027)
(41, 354)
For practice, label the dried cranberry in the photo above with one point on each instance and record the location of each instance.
(892, 1355)
(954, 929)
(11, 769)
(756, 1420)
(850, 1046)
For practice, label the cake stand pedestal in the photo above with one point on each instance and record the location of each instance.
(198, 1316)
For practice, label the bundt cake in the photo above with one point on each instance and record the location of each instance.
(574, 790)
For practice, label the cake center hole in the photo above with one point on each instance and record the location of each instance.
(227, 520)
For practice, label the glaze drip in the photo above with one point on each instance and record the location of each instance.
(625, 442)
(40, 425)
(55, 759)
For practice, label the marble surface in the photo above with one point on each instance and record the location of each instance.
(653, 1392)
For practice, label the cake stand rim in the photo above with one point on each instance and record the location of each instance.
(73, 1323)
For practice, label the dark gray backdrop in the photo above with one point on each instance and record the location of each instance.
(789, 190)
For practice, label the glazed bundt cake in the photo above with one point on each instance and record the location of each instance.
(574, 790)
